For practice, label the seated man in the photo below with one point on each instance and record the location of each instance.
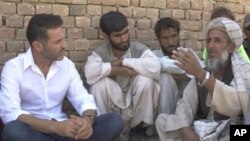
(173, 79)
(123, 74)
(34, 85)
(217, 94)
(224, 12)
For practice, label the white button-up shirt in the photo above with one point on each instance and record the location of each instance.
(25, 90)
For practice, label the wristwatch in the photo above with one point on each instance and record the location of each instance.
(91, 117)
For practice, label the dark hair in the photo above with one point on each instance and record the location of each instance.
(113, 21)
(222, 12)
(165, 23)
(39, 24)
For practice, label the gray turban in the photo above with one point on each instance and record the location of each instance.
(231, 28)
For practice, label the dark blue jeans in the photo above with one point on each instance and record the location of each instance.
(106, 127)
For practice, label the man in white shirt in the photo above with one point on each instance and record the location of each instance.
(123, 74)
(173, 79)
(34, 85)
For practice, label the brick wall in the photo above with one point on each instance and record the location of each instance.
(81, 21)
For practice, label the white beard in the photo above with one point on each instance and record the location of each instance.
(214, 65)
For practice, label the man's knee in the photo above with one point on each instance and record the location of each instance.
(14, 129)
(139, 79)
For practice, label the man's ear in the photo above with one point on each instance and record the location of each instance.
(232, 47)
(37, 45)
(105, 36)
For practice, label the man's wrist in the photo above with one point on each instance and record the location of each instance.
(90, 117)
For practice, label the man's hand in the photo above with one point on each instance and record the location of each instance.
(188, 62)
(187, 134)
(129, 71)
(69, 127)
(117, 62)
(85, 130)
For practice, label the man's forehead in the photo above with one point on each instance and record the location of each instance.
(217, 32)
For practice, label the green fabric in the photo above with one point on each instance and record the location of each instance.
(241, 51)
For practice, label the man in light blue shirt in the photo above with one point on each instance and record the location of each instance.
(34, 85)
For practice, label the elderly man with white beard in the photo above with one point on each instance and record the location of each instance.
(217, 96)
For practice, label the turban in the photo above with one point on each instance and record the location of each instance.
(231, 28)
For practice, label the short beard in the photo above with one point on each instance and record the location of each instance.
(213, 65)
(119, 47)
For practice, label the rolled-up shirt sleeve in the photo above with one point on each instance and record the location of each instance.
(10, 107)
(95, 69)
(78, 95)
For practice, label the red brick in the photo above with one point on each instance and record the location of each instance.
(26, 20)
(245, 1)
(94, 10)
(25, 9)
(90, 33)
(7, 33)
(207, 5)
(47, 1)
(184, 4)
(235, 8)
(160, 3)
(106, 8)
(143, 24)
(12, 0)
(135, 2)
(142, 34)
(247, 9)
(172, 3)
(139, 12)
(195, 25)
(196, 4)
(2, 46)
(29, 0)
(83, 22)
(60, 10)
(147, 3)
(26, 45)
(70, 44)
(94, 1)
(16, 46)
(79, 1)
(108, 2)
(82, 44)
(178, 14)
(195, 15)
(63, 1)
(131, 23)
(165, 13)
(123, 2)
(77, 10)
(15, 21)
(127, 11)
(74, 33)
(132, 34)
(7, 7)
(95, 21)
(153, 45)
(96, 43)
(43, 8)
(152, 13)
(4, 57)
(1, 20)
(76, 55)
(68, 21)
(152, 35)
(185, 24)
(21, 34)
